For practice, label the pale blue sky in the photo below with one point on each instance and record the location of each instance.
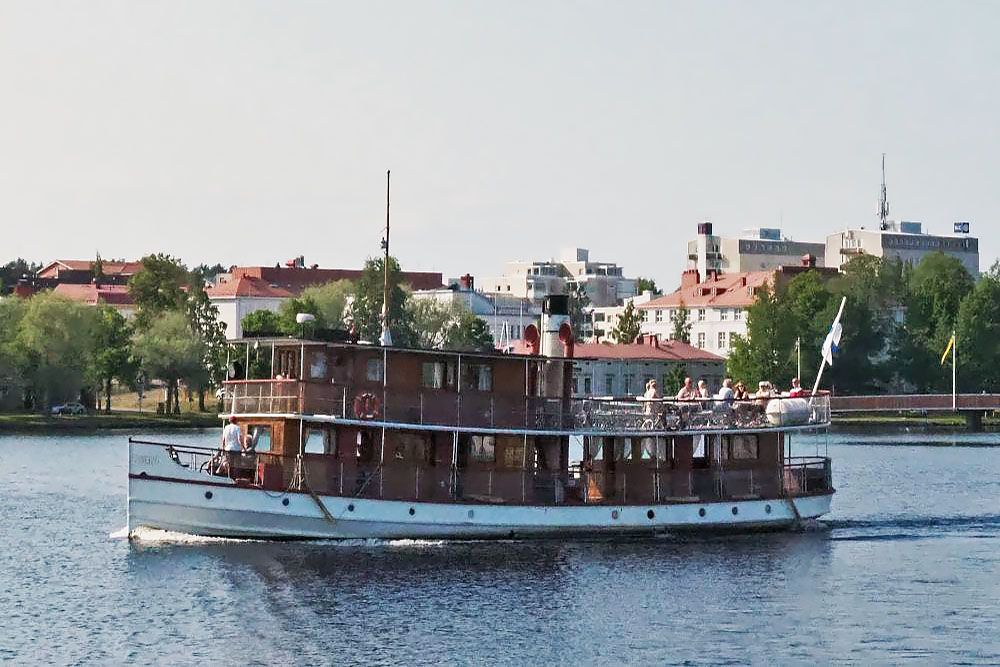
(251, 132)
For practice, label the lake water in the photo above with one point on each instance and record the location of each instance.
(907, 568)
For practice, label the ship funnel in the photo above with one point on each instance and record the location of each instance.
(557, 337)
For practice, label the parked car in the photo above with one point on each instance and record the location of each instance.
(69, 409)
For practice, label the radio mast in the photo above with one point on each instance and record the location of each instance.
(883, 204)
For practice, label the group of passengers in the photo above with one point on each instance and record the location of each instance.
(728, 392)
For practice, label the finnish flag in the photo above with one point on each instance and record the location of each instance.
(832, 342)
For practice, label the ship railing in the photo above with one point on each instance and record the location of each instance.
(580, 485)
(486, 410)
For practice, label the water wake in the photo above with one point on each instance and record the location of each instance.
(982, 521)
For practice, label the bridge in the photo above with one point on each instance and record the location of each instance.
(972, 406)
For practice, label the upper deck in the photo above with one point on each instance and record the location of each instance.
(458, 391)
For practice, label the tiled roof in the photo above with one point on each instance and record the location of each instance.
(247, 286)
(650, 348)
(297, 279)
(109, 268)
(724, 290)
(91, 294)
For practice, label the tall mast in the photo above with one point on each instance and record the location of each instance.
(883, 205)
(386, 338)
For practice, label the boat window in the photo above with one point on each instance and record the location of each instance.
(477, 377)
(317, 365)
(437, 375)
(409, 447)
(513, 451)
(365, 447)
(260, 438)
(483, 449)
(315, 441)
(744, 447)
(373, 370)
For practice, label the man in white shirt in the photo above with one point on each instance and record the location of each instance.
(232, 445)
(726, 391)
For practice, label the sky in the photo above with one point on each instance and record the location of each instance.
(252, 132)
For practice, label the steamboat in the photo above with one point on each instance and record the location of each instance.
(345, 440)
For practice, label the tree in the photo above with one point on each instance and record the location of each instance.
(261, 323)
(97, 270)
(579, 313)
(203, 318)
(680, 319)
(331, 301)
(629, 325)
(646, 285)
(157, 287)
(674, 378)
(764, 354)
(289, 310)
(468, 332)
(11, 355)
(430, 320)
(366, 307)
(12, 272)
(55, 338)
(112, 352)
(170, 351)
(978, 332)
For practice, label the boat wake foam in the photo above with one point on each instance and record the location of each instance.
(157, 536)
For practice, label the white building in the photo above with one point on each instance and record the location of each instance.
(604, 282)
(506, 316)
(757, 249)
(905, 241)
(239, 295)
(604, 320)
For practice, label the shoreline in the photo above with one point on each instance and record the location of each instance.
(98, 422)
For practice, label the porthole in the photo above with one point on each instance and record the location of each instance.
(284, 501)
(412, 511)
(650, 514)
(767, 509)
(614, 514)
(350, 508)
(736, 510)
(208, 495)
(701, 512)
(471, 514)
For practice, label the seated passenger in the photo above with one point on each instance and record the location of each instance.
(726, 391)
(740, 392)
(687, 391)
(796, 390)
(703, 390)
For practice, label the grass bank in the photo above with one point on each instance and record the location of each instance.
(118, 421)
(888, 419)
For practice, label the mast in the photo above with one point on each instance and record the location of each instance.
(386, 338)
(883, 204)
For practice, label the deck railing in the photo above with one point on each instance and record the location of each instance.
(485, 410)
(628, 484)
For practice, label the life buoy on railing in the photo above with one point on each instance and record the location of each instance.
(367, 406)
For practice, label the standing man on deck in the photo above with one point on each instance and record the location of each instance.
(232, 445)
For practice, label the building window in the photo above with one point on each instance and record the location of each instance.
(586, 386)
(701, 340)
(722, 340)
(609, 385)
(701, 314)
(737, 314)
(659, 316)
(477, 377)
(373, 370)
(724, 314)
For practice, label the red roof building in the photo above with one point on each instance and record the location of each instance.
(116, 296)
(79, 272)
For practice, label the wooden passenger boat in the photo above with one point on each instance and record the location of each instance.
(361, 441)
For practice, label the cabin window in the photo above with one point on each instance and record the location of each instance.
(609, 385)
(743, 447)
(477, 377)
(409, 447)
(576, 385)
(365, 447)
(586, 386)
(260, 438)
(438, 375)
(627, 381)
(315, 442)
(483, 449)
(317, 365)
(373, 370)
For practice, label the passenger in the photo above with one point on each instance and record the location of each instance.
(740, 392)
(651, 395)
(703, 390)
(231, 447)
(764, 390)
(796, 389)
(687, 391)
(726, 391)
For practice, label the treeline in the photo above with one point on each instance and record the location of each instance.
(356, 306)
(53, 349)
(897, 323)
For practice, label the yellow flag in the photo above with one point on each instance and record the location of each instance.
(951, 343)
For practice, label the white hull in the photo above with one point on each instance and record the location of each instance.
(166, 496)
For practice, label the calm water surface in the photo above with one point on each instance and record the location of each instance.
(907, 568)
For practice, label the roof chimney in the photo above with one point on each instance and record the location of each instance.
(689, 278)
(466, 282)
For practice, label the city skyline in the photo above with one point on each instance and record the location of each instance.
(245, 133)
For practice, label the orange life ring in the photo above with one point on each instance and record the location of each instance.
(367, 406)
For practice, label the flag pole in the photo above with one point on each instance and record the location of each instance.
(954, 371)
(822, 364)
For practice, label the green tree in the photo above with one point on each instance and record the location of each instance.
(467, 332)
(12, 384)
(366, 306)
(55, 338)
(159, 286)
(978, 333)
(579, 309)
(12, 272)
(629, 325)
(97, 270)
(765, 353)
(169, 350)
(331, 301)
(431, 319)
(203, 317)
(674, 379)
(261, 324)
(646, 285)
(112, 352)
(290, 309)
(680, 320)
